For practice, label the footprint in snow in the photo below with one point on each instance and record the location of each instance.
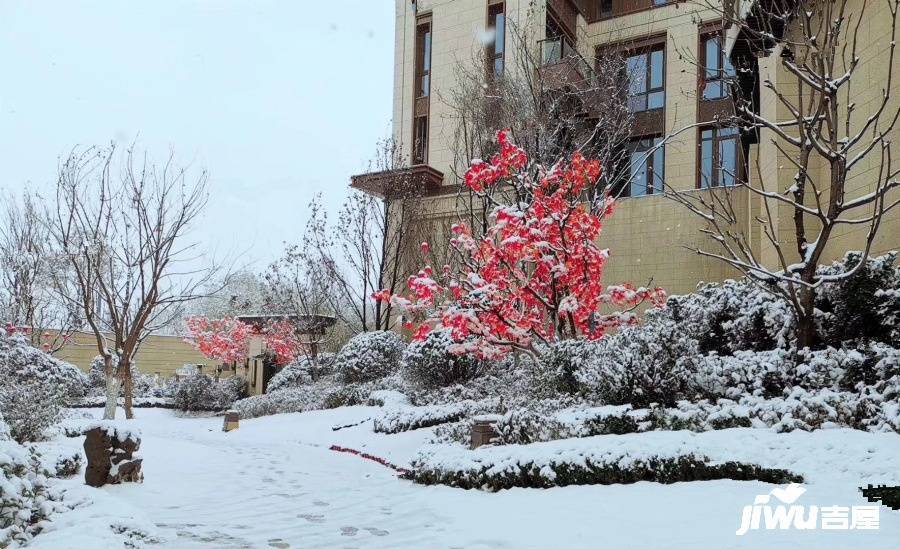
(279, 543)
(312, 518)
(321, 503)
(376, 532)
(349, 531)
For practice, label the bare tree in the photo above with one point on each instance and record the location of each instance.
(369, 247)
(830, 146)
(303, 289)
(553, 101)
(123, 238)
(242, 292)
(26, 264)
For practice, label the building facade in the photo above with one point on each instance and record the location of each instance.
(677, 59)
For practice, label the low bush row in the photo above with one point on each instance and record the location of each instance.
(407, 418)
(594, 461)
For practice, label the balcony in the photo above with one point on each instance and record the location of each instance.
(562, 65)
(564, 70)
(414, 181)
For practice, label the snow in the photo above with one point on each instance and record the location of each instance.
(275, 483)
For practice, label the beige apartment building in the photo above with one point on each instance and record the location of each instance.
(677, 64)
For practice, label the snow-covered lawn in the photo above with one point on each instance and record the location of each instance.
(275, 483)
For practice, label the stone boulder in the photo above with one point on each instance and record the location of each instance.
(112, 455)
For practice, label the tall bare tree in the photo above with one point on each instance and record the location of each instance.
(831, 147)
(123, 236)
(26, 265)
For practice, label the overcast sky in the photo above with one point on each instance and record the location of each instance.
(278, 99)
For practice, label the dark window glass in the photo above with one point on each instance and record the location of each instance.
(496, 50)
(606, 8)
(423, 60)
(719, 157)
(717, 69)
(646, 80)
(646, 167)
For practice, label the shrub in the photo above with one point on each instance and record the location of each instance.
(854, 308)
(408, 418)
(762, 373)
(286, 401)
(429, 363)
(560, 362)
(21, 363)
(642, 365)
(369, 356)
(30, 407)
(731, 316)
(25, 502)
(202, 393)
(344, 396)
(494, 469)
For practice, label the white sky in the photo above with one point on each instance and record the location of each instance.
(278, 99)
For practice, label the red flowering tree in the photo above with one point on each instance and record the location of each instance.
(224, 339)
(228, 339)
(281, 339)
(535, 276)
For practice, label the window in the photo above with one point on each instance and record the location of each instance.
(646, 80)
(497, 24)
(719, 157)
(646, 167)
(422, 102)
(423, 59)
(420, 140)
(606, 8)
(716, 67)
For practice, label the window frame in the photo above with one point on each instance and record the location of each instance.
(495, 9)
(644, 144)
(647, 52)
(716, 168)
(423, 54)
(422, 75)
(724, 76)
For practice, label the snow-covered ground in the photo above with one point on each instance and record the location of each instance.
(275, 483)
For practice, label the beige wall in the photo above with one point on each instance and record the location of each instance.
(158, 354)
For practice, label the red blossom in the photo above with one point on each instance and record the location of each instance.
(536, 273)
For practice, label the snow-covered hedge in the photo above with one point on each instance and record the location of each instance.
(369, 356)
(560, 361)
(641, 365)
(599, 460)
(201, 392)
(407, 418)
(430, 363)
(301, 371)
(21, 363)
(285, 401)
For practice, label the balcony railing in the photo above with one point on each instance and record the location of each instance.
(559, 50)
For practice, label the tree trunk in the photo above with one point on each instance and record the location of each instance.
(112, 389)
(806, 319)
(128, 387)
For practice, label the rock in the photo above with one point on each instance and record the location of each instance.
(111, 456)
